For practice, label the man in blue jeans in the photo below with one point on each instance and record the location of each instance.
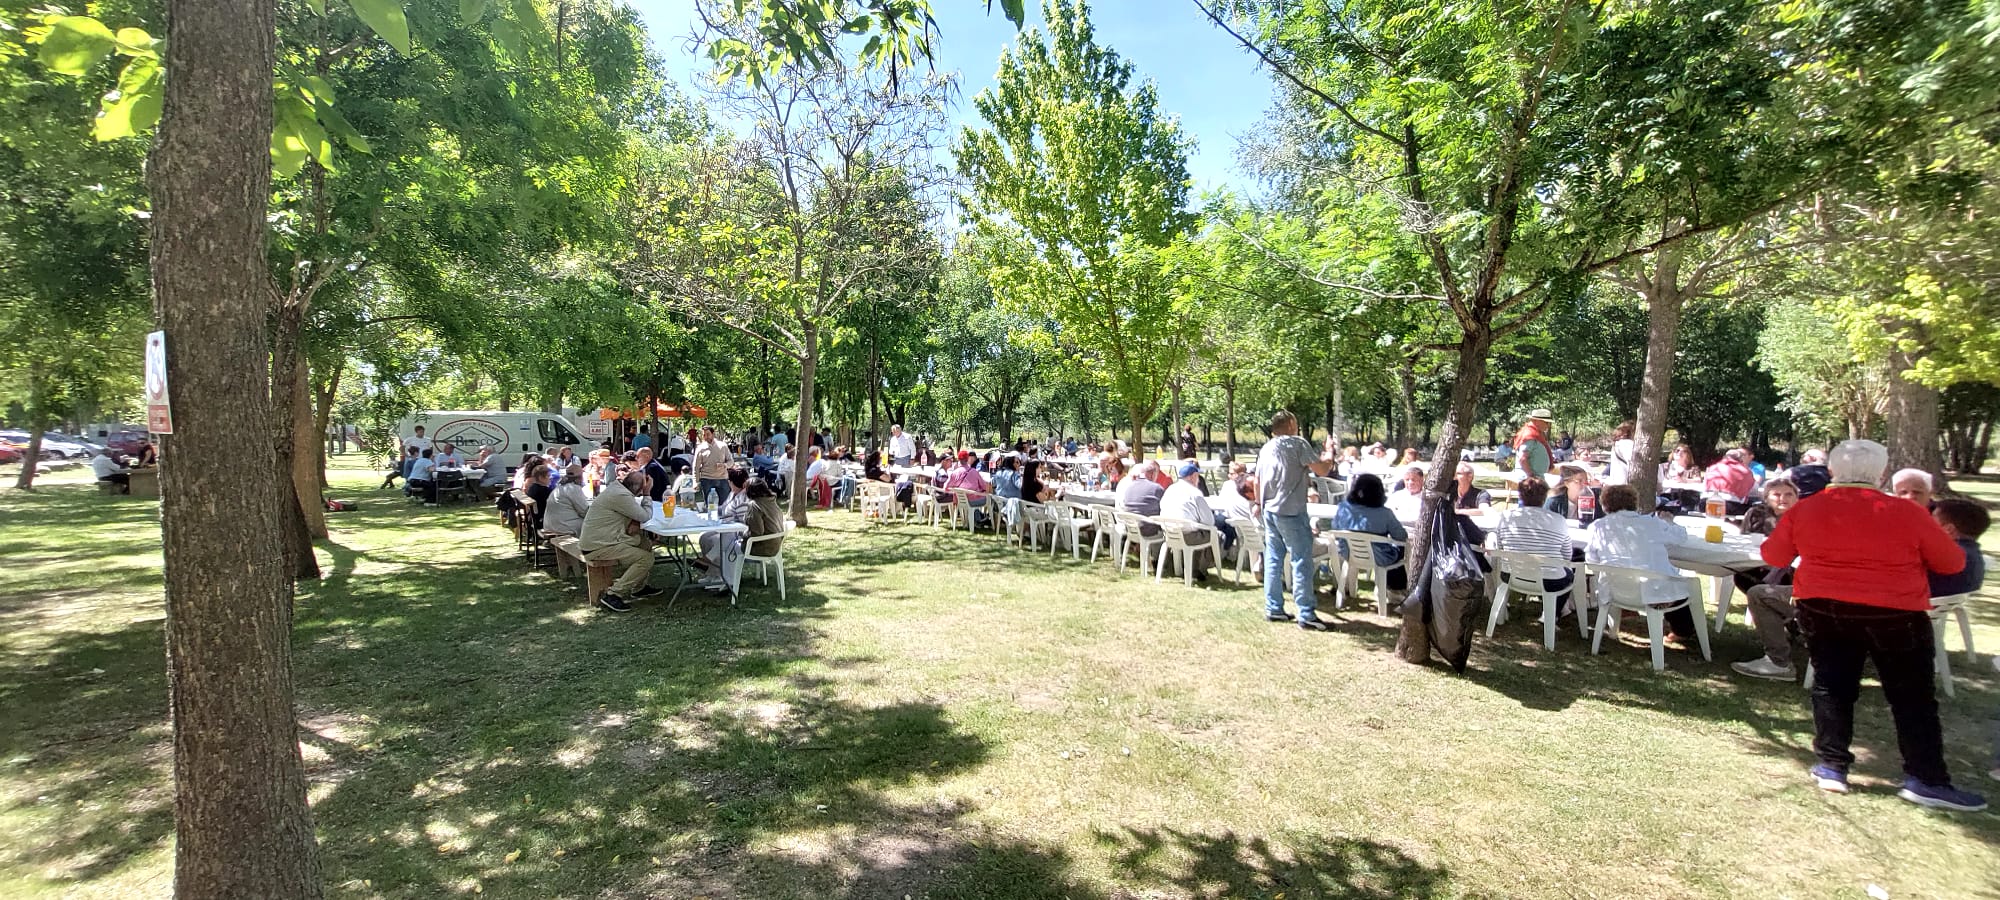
(1284, 473)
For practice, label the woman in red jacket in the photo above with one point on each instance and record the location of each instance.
(1864, 558)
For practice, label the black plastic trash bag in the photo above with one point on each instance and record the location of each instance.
(1450, 591)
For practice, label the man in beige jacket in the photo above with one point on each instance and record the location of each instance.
(612, 533)
(711, 466)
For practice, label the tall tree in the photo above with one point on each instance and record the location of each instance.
(242, 827)
(776, 235)
(1079, 182)
(1460, 118)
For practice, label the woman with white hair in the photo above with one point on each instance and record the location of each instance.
(1863, 593)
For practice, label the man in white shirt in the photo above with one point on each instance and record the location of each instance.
(675, 443)
(1531, 529)
(1627, 537)
(902, 448)
(448, 458)
(420, 442)
(1183, 500)
(108, 467)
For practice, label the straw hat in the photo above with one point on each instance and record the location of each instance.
(1541, 413)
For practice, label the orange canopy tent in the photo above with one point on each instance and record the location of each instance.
(662, 410)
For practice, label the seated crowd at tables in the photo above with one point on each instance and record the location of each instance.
(605, 500)
(1869, 563)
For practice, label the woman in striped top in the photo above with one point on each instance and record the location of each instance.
(1531, 529)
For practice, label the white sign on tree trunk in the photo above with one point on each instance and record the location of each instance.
(159, 415)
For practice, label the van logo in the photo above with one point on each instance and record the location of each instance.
(471, 433)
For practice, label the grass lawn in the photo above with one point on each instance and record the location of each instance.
(932, 715)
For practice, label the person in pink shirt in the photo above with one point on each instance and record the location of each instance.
(1732, 476)
(968, 478)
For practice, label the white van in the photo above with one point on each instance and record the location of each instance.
(512, 435)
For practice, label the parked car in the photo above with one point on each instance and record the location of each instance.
(55, 445)
(9, 451)
(71, 447)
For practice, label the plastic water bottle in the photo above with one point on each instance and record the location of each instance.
(713, 509)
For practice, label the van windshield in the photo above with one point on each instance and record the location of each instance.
(555, 432)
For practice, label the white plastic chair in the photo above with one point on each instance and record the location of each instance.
(1360, 554)
(1522, 572)
(684, 490)
(1331, 490)
(1105, 522)
(1622, 589)
(923, 504)
(1029, 521)
(1249, 548)
(1132, 534)
(1185, 538)
(878, 500)
(767, 562)
(1070, 521)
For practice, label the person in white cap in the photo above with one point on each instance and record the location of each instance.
(1531, 444)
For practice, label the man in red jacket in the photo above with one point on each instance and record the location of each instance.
(1864, 560)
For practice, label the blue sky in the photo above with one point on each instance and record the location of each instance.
(1204, 77)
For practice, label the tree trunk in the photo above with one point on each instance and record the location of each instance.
(323, 416)
(1138, 415)
(1339, 426)
(1984, 448)
(305, 472)
(808, 370)
(1913, 422)
(31, 459)
(241, 824)
(1413, 645)
(874, 399)
(1177, 412)
(1664, 302)
(287, 359)
(1229, 414)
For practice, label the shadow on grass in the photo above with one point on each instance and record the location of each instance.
(1198, 865)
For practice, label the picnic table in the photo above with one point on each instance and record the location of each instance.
(682, 533)
(929, 472)
(1719, 562)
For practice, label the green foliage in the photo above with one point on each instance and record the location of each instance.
(1079, 185)
(757, 39)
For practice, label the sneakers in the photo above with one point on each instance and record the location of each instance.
(1313, 623)
(1279, 616)
(1763, 667)
(1940, 796)
(1829, 779)
(1994, 773)
(646, 591)
(613, 602)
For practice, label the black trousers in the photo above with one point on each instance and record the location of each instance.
(1840, 637)
(427, 488)
(122, 480)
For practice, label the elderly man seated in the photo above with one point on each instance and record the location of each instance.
(613, 533)
(1184, 500)
(1140, 492)
(1913, 485)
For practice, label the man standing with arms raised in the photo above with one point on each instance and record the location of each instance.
(901, 448)
(1285, 467)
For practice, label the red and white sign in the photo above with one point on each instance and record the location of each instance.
(159, 413)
